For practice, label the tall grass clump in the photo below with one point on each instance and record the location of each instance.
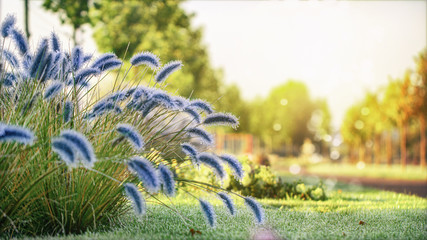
(73, 160)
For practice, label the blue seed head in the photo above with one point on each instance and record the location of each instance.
(8, 80)
(190, 151)
(193, 113)
(87, 57)
(135, 196)
(234, 164)
(82, 146)
(167, 70)
(167, 180)
(39, 59)
(65, 150)
(7, 25)
(208, 211)
(11, 58)
(110, 65)
(228, 202)
(77, 58)
(221, 119)
(54, 40)
(102, 59)
(256, 209)
(83, 75)
(20, 41)
(146, 173)
(202, 105)
(148, 107)
(162, 98)
(212, 162)
(12, 133)
(180, 102)
(132, 135)
(205, 137)
(68, 111)
(52, 90)
(146, 58)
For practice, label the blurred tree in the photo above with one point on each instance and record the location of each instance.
(73, 12)
(320, 124)
(398, 107)
(231, 101)
(163, 27)
(405, 110)
(354, 132)
(283, 116)
(420, 101)
(390, 107)
(375, 125)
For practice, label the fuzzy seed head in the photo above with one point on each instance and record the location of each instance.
(52, 90)
(65, 151)
(222, 119)
(190, 151)
(7, 25)
(54, 40)
(131, 134)
(110, 65)
(167, 70)
(193, 113)
(205, 137)
(212, 162)
(136, 197)
(102, 59)
(12, 133)
(20, 41)
(208, 212)
(234, 164)
(81, 145)
(202, 105)
(146, 172)
(68, 111)
(146, 58)
(167, 180)
(256, 209)
(228, 202)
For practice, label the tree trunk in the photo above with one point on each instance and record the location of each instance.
(74, 36)
(27, 27)
(403, 131)
(368, 155)
(362, 153)
(422, 141)
(377, 149)
(388, 146)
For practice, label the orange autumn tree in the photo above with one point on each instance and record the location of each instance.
(419, 98)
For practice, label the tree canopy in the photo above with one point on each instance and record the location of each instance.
(72, 12)
(284, 116)
(164, 28)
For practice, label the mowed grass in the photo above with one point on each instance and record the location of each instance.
(412, 172)
(386, 215)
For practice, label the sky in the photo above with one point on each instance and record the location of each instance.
(339, 49)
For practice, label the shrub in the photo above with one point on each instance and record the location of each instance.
(70, 160)
(259, 181)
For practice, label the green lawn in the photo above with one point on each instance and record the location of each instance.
(386, 215)
(282, 165)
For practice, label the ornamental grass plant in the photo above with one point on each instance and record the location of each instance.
(73, 160)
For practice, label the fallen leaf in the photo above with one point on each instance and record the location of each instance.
(192, 231)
